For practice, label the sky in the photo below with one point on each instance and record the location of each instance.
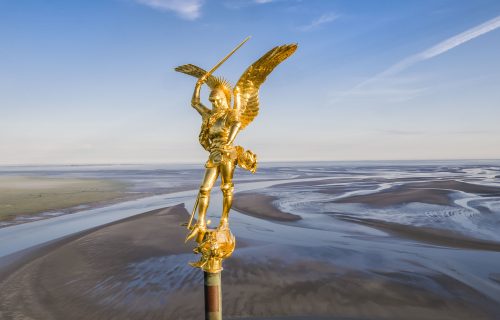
(92, 81)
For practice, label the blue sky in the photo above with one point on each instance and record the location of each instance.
(93, 81)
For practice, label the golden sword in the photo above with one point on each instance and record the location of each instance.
(225, 58)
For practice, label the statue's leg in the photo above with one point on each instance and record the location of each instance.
(209, 179)
(227, 187)
(211, 175)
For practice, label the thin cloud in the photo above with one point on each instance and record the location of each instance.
(429, 53)
(444, 46)
(388, 94)
(467, 132)
(323, 19)
(186, 9)
(240, 4)
(402, 132)
(434, 132)
(386, 90)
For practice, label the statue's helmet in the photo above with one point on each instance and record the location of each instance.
(219, 83)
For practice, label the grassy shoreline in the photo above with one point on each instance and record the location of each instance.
(27, 195)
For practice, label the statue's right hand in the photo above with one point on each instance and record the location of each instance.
(201, 80)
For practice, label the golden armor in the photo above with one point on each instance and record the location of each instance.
(219, 128)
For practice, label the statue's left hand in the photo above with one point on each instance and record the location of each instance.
(227, 147)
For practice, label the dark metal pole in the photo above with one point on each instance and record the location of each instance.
(213, 297)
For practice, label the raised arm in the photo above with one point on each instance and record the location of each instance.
(235, 128)
(195, 101)
(237, 99)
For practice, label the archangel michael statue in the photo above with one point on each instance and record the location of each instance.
(219, 128)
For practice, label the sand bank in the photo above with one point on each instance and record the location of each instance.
(432, 192)
(399, 196)
(458, 186)
(261, 206)
(428, 235)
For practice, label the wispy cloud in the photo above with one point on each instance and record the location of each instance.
(429, 53)
(387, 94)
(402, 132)
(186, 9)
(240, 4)
(388, 90)
(316, 23)
(443, 46)
(433, 132)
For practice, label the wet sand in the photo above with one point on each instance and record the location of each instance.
(261, 206)
(459, 186)
(427, 235)
(431, 192)
(137, 269)
(400, 196)
(63, 282)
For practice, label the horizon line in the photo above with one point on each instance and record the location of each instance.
(263, 162)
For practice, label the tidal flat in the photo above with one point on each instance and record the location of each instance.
(399, 240)
(27, 195)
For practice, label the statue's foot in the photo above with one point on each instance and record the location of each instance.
(197, 229)
(223, 225)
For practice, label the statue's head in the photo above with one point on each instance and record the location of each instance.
(220, 96)
(218, 99)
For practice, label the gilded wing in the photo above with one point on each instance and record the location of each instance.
(248, 86)
(197, 72)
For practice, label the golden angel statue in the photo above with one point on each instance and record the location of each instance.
(222, 123)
